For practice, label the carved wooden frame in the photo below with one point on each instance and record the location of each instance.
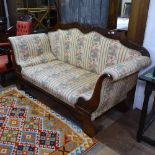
(83, 109)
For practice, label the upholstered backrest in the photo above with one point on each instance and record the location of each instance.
(90, 51)
(32, 49)
(23, 28)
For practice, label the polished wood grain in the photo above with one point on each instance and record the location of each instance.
(113, 14)
(137, 22)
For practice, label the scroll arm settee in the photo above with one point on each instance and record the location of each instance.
(86, 72)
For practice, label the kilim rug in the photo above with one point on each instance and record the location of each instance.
(27, 127)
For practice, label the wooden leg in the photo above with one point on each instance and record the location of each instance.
(18, 84)
(142, 121)
(123, 107)
(9, 64)
(85, 121)
(3, 79)
(88, 127)
(127, 104)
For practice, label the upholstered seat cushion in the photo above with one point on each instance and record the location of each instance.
(62, 80)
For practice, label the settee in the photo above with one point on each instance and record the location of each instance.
(89, 71)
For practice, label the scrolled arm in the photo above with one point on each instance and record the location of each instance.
(91, 105)
(127, 68)
(111, 75)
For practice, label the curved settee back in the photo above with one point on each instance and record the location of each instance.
(90, 51)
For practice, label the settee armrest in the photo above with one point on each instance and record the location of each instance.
(127, 68)
(111, 78)
(30, 50)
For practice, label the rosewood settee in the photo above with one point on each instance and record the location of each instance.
(85, 70)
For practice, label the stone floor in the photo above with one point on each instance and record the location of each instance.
(121, 136)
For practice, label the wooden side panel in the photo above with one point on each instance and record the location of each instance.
(113, 13)
(137, 22)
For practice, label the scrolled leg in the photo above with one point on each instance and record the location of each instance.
(88, 127)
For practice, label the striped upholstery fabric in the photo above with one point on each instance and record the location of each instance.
(126, 68)
(124, 79)
(68, 45)
(62, 80)
(32, 49)
(113, 93)
(90, 51)
(67, 64)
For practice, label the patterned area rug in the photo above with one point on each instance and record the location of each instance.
(27, 127)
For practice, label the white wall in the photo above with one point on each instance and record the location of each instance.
(149, 44)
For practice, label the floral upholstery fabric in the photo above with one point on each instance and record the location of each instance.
(32, 49)
(124, 79)
(91, 51)
(113, 93)
(68, 46)
(62, 80)
(126, 68)
(67, 64)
